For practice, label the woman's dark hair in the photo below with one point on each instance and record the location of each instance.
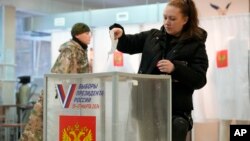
(188, 9)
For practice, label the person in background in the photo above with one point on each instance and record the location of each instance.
(177, 49)
(23, 96)
(73, 58)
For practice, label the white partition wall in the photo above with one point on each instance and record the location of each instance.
(102, 45)
(149, 26)
(226, 94)
(57, 39)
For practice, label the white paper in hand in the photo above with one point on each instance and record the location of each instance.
(114, 42)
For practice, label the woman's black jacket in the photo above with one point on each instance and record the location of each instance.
(188, 56)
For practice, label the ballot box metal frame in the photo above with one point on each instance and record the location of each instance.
(115, 79)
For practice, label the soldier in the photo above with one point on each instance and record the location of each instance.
(73, 58)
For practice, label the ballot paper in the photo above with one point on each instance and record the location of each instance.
(114, 42)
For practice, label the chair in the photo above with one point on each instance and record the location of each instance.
(9, 128)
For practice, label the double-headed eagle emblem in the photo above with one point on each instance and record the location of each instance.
(221, 10)
(77, 134)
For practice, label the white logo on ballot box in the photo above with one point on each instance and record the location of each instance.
(82, 97)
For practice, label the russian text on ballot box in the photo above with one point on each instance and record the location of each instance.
(239, 132)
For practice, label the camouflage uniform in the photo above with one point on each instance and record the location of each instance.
(72, 59)
(33, 130)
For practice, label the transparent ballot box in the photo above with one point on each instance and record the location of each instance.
(110, 106)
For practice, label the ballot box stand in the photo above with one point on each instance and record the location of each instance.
(112, 106)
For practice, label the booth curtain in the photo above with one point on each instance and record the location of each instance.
(226, 95)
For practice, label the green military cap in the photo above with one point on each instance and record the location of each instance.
(79, 28)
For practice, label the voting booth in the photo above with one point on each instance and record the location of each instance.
(111, 106)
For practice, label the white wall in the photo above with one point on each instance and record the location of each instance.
(102, 45)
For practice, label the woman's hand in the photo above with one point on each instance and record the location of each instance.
(117, 32)
(165, 66)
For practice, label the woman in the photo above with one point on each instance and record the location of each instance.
(177, 49)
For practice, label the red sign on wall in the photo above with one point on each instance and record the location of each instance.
(118, 59)
(77, 128)
(222, 58)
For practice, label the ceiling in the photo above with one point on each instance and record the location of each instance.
(42, 7)
(100, 4)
